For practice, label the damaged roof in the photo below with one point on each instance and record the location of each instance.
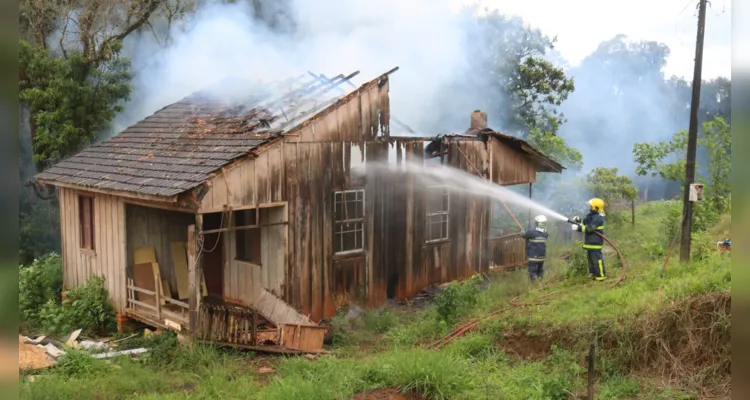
(178, 147)
(547, 164)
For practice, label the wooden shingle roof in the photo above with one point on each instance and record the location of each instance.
(178, 147)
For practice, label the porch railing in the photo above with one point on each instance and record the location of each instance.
(164, 311)
(508, 251)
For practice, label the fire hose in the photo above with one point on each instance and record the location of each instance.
(461, 330)
(617, 250)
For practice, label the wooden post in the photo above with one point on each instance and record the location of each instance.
(193, 282)
(591, 372)
(254, 329)
(157, 290)
(632, 211)
(692, 144)
(530, 189)
(198, 264)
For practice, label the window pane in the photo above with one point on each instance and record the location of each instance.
(437, 199)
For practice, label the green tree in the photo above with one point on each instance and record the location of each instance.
(555, 147)
(606, 184)
(69, 101)
(521, 85)
(667, 159)
(525, 87)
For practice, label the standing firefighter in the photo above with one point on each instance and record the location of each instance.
(536, 247)
(592, 224)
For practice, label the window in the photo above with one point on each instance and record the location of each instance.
(247, 240)
(436, 218)
(349, 220)
(86, 220)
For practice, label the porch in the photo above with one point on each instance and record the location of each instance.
(209, 283)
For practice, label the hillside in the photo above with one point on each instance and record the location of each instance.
(659, 334)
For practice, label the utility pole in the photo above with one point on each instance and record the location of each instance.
(687, 207)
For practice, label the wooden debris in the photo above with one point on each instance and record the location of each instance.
(265, 370)
(52, 351)
(32, 356)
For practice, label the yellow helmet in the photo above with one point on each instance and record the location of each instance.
(596, 204)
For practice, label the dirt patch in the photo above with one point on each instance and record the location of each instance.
(384, 394)
(526, 347)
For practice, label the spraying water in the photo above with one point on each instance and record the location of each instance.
(437, 174)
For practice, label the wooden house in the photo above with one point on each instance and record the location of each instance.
(247, 222)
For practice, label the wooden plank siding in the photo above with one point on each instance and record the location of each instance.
(509, 167)
(108, 257)
(303, 170)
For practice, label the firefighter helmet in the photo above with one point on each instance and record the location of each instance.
(541, 222)
(596, 204)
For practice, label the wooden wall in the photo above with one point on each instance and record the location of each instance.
(304, 169)
(411, 263)
(510, 167)
(243, 280)
(108, 258)
(156, 228)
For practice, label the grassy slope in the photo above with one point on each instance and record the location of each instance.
(533, 352)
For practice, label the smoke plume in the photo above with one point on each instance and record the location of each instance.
(424, 38)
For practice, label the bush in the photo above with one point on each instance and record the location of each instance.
(577, 264)
(39, 283)
(87, 307)
(457, 299)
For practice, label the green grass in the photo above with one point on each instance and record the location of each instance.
(384, 348)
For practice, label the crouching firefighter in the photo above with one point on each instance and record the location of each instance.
(536, 247)
(592, 224)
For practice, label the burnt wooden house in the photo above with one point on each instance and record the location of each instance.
(247, 223)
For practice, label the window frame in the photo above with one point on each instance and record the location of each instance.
(82, 226)
(429, 220)
(240, 236)
(338, 236)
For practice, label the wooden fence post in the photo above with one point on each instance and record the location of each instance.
(591, 371)
(193, 286)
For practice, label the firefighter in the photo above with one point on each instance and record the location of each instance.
(536, 247)
(592, 223)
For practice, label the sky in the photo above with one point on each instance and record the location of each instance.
(580, 25)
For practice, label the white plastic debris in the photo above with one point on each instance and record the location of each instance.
(111, 354)
(92, 345)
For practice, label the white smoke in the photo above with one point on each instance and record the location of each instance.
(424, 38)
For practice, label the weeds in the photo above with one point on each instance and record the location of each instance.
(87, 307)
(457, 299)
(656, 326)
(39, 283)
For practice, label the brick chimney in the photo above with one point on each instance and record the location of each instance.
(478, 120)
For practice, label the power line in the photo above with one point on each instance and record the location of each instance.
(687, 210)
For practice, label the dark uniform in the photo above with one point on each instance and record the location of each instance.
(536, 250)
(594, 222)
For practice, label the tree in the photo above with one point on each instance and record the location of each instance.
(607, 185)
(667, 159)
(72, 77)
(515, 82)
(525, 87)
(70, 103)
(555, 146)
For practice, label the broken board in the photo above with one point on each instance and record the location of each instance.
(179, 255)
(147, 254)
(143, 277)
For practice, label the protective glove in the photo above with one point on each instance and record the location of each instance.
(574, 227)
(576, 219)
